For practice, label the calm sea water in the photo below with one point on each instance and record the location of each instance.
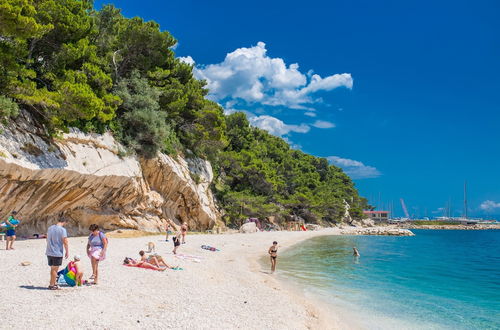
(438, 279)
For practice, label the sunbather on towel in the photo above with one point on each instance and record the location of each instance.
(141, 264)
(154, 259)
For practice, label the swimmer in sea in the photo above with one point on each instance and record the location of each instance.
(355, 252)
(273, 252)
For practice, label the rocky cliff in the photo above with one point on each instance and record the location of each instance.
(88, 178)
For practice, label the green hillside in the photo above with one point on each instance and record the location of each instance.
(72, 66)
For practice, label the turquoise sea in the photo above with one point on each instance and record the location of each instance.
(438, 279)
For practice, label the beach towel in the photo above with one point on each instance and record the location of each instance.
(188, 257)
(69, 274)
(145, 266)
(209, 248)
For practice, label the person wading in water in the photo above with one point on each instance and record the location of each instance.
(273, 252)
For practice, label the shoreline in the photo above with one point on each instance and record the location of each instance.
(452, 227)
(226, 289)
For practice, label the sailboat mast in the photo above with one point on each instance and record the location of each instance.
(465, 199)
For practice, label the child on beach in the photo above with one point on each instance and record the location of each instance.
(79, 270)
(273, 252)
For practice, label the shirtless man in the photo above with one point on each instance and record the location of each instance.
(184, 229)
(177, 241)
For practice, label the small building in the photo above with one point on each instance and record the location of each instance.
(377, 215)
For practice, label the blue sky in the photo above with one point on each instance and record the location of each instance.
(404, 95)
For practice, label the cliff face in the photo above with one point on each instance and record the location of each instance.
(89, 179)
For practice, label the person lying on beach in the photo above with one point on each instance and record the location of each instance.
(154, 259)
(141, 264)
(355, 252)
(273, 252)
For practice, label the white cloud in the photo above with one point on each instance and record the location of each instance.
(249, 74)
(323, 124)
(489, 205)
(355, 169)
(310, 114)
(187, 59)
(438, 210)
(275, 126)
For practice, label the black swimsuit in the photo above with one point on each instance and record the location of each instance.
(274, 251)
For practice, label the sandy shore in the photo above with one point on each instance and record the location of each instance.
(226, 290)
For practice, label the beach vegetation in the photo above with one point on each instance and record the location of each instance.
(69, 65)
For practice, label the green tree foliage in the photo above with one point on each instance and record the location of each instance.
(8, 108)
(70, 65)
(143, 126)
(260, 173)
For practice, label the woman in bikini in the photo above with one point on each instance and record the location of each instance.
(142, 264)
(155, 259)
(273, 252)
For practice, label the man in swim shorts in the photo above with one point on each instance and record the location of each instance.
(57, 244)
(177, 241)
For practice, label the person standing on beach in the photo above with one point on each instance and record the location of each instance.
(177, 241)
(273, 252)
(167, 228)
(184, 229)
(57, 246)
(96, 250)
(11, 231)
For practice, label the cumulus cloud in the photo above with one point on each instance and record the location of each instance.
(250, 75)
(438, 210)
(323, 124)
(355, 169)
(489, 205)
(187, 59)
(275, 126)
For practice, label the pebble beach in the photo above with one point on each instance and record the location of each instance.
(226, 289)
